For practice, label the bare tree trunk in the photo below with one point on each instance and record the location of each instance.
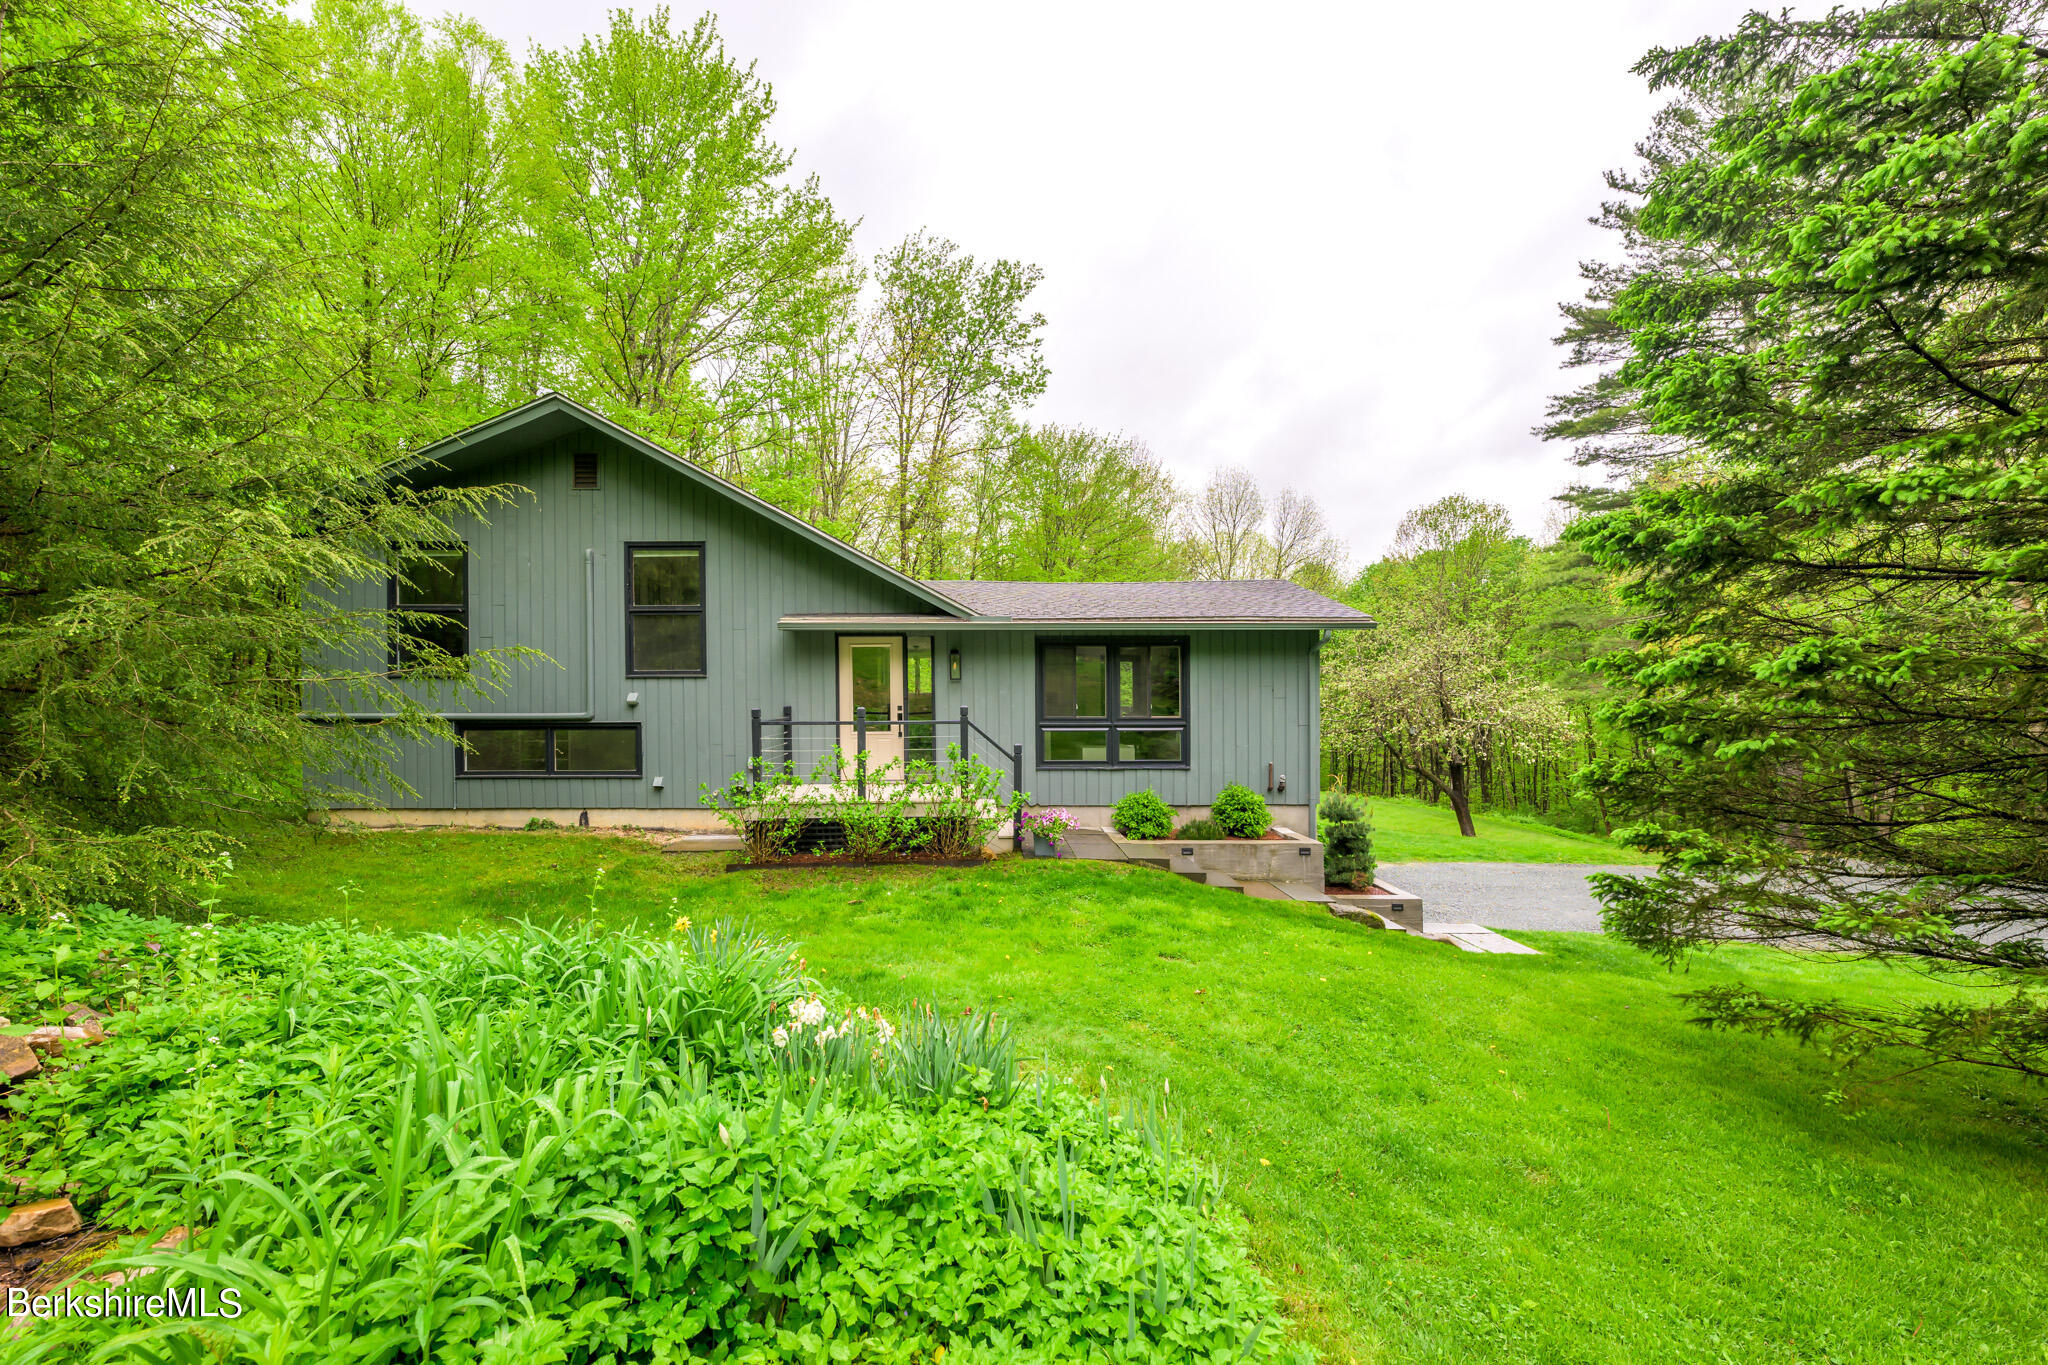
(1461, 799)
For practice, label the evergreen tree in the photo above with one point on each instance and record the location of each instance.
(1823, 395)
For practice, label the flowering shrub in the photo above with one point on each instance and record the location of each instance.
(1050, 824)
(876, 808)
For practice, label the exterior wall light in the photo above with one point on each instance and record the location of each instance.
(953, 664)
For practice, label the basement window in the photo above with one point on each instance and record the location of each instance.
(548, 751)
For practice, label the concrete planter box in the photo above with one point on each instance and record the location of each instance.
(1396, 907)
(1290, 858)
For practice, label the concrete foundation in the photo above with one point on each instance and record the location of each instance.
(680, 821)
(1098, 817)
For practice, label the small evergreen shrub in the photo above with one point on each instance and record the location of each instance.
(1241, 812)
(1204, 828)
(1142, 815)
(1347, 841)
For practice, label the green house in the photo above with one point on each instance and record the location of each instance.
(695, 629)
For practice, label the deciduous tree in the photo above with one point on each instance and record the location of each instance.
(171, 481)
(686, 256)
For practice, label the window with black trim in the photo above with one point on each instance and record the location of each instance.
(548, 751)
(665, 611)
(1112, 703)
(433, 590)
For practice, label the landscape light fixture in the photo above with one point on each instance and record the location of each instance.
(953, 665)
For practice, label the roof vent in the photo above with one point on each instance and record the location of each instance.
(585, 472)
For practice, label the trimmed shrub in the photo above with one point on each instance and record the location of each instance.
(1204, 828)
(1142, 815)
(1347, 841)
(1241, 812)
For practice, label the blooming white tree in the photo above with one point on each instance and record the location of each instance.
(1434, 694)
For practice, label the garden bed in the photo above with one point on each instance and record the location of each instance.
(824, 860)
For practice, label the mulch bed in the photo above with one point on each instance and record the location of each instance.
(1374, 890)
(800, 861)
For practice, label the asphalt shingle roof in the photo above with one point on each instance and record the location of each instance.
(1259, 599)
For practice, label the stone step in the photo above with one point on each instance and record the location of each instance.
(703, 843)
(1477, 938)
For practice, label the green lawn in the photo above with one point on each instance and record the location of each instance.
(1409, 831)
(1444, 1157)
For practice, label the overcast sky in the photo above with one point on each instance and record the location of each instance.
(1323, 241)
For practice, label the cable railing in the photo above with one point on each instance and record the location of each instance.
(880, 749)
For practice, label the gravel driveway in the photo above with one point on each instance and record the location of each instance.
(1504, 895)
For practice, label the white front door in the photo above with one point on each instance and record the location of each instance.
(871, 677)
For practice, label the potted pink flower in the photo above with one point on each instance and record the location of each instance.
(1047, 828)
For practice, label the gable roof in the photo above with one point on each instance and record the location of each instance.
(983, 603)
(551, 415)
(1261, 601)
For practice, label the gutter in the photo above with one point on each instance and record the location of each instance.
(589, 711)
(1070, 624)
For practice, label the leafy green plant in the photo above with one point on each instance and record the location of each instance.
(768, 813)
(1203, 827)
(578, 1146)
(959, 804)
(1142, 815)
(1241, 812)
(1347, 841)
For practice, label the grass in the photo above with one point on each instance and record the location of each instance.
(1444, 1157)
(1405, 830)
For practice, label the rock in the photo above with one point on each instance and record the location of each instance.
(17, 1058)
(50, 1039)
(83, 1015)
(39, 1222)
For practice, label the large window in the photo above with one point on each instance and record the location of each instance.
(1112, 704)
(549, 751)
(665, 611)
(433, 592)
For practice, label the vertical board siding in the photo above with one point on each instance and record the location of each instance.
(1250, 694)
(1247, 693)
(527, 589)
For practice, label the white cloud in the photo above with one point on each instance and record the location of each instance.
(1325, 241)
